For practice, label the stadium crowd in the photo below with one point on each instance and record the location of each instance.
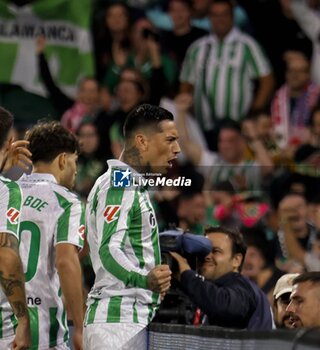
(238, 83)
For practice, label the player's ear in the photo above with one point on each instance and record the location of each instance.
(141, 142)
(62, 158)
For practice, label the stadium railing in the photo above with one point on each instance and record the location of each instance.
(181, 337)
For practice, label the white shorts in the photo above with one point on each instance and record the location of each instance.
(115, 336)
(6, 343)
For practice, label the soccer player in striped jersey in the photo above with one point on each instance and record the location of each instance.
(14, 319)
(123, 236)
(219, 70)
(51, 235)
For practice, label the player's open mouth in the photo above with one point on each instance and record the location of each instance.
(170, 162)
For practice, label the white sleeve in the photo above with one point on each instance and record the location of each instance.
(307, 18)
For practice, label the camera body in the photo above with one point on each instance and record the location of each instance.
(177, 308)
(191, 246)
(149, 34)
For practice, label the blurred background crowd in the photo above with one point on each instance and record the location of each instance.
(242, 79)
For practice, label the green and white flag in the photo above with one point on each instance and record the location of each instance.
(65, 24)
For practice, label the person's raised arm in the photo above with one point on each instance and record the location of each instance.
(192, 150)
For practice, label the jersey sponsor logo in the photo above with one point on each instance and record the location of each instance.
(13, 215)
(81, 231)
(121, 178)
(111, 212)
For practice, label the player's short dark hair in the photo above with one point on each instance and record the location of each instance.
(238, 244)
(143, 117)
(48, 140)
(313, 277)
(6, 123)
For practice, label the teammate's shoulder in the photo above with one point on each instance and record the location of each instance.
(103, 181)
(8, 184)
(63, 193)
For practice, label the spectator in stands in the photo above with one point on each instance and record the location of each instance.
(229, 163)
(275, 28)
(145, 56)
(315, 127)
(310, 259)
(259, 263)
(219, 70)
(183, 34)
(226, 297)
(72, 111)
(281, 299)
(293, 102)
(130, 93)
(90, 167)
(305, 300)
(221, 204)
(262, 123)
(132, 90)
(111, 37)
(308, 19)
(295, 235)
(86, 104)
(191, 212)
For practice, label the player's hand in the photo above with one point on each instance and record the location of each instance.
(159, 279)
(182, 262)
(17, 154)
(22, 340)
(77, 339)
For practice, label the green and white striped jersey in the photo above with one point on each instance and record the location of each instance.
(222, 73)
(122, 233)
(51, 215)
(10, 207)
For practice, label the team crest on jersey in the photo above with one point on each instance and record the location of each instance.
(110, 213)
(13, 215)
(81, 231)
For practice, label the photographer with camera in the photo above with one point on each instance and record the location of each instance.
(227, 298)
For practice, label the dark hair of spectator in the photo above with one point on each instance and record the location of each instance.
(85, 79)
(238, 244)
(48, 140)
(6, 123)
(230, 3)
(105, 32)
(256, 237)
(145, 116)
(187, 3)
(313, 277)
(230, 125)
(224, 186)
